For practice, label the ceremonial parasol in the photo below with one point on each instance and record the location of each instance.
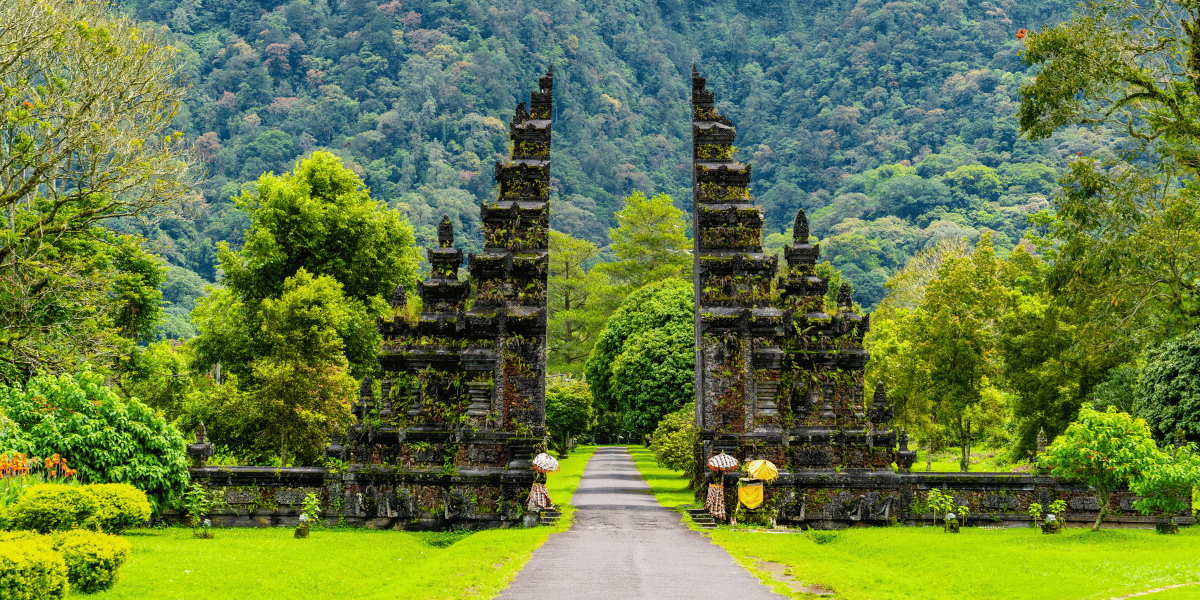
(762, 469)
(545, 463)
(722, 462)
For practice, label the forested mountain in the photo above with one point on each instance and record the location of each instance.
(892, 123)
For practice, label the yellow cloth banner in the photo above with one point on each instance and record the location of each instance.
(751, 496)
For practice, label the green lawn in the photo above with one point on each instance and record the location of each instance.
(880, 563)
(338, 562)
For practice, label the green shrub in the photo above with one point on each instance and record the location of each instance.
(675, 439)
(30, 569)
(119, 506)
(92, 558)
(52, 507)
(107, 438)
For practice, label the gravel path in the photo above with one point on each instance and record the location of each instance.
(623, 545)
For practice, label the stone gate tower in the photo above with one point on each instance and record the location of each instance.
(448, 435)
(779, 375)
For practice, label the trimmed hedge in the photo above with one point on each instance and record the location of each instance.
(119, 506)
(52, 507)
(30, 568)
(92, 558)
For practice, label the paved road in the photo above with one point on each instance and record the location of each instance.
(623, 545)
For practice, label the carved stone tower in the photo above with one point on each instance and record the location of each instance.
(777, 377)
(448, 435)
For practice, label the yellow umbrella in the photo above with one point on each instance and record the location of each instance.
(762, 469)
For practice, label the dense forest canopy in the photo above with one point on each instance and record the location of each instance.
(892, 123)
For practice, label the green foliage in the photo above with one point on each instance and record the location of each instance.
(52, 507)
(1104, 450)
(1166, 482)
(1167, 395)
(119, 506)
(79, 156)
(30, 569)
(1035, 512)
(650, 242)
(641, 367)
(312, 508)
(941, 354)
(92, 558)
(569, 410)
(108, 439)
(654, 374)
(197, 502)
(575, 287)
(675, 441)
(319, 217)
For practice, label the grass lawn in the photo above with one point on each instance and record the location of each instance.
(337, 562)
(880, 563)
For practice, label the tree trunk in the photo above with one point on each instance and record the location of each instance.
(283, 449)
(964, 463)
(1103, 497)
(929, 461)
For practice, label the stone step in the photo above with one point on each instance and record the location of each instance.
(701, 517)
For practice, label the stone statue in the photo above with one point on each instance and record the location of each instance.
(445, 233)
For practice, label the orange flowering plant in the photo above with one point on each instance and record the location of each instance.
(18, 471)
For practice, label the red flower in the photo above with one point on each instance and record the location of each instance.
(27, 104)
(1021, 34)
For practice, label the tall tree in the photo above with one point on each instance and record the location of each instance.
(89, 99)
(319, 219)
(650, 243)
(944, 349)
(1125, 239)
(641, 367)
(573, 285)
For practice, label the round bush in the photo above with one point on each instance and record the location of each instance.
(92, 558)
(52, 507)
(119, 506)
(30, 569)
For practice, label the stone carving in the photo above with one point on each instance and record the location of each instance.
(293, 497)
(200, 451)
(800, 231)
(445, 233)
(777, 375)
(464, 388)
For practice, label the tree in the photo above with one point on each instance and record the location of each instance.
(654, 375)
(109, 440)
(675, 441)
(321, 220)
(294, 384)
(943, 351)
(645, 338)
(1127, 231)
(1168, 391)
(650, 243)
(320, 217)
(1165, 485)
(86, 139)
(569, 411)
(1104, 450)
(573, 285)
(1118, 65)
(1038, 346)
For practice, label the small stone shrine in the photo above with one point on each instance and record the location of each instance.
(448, 434)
